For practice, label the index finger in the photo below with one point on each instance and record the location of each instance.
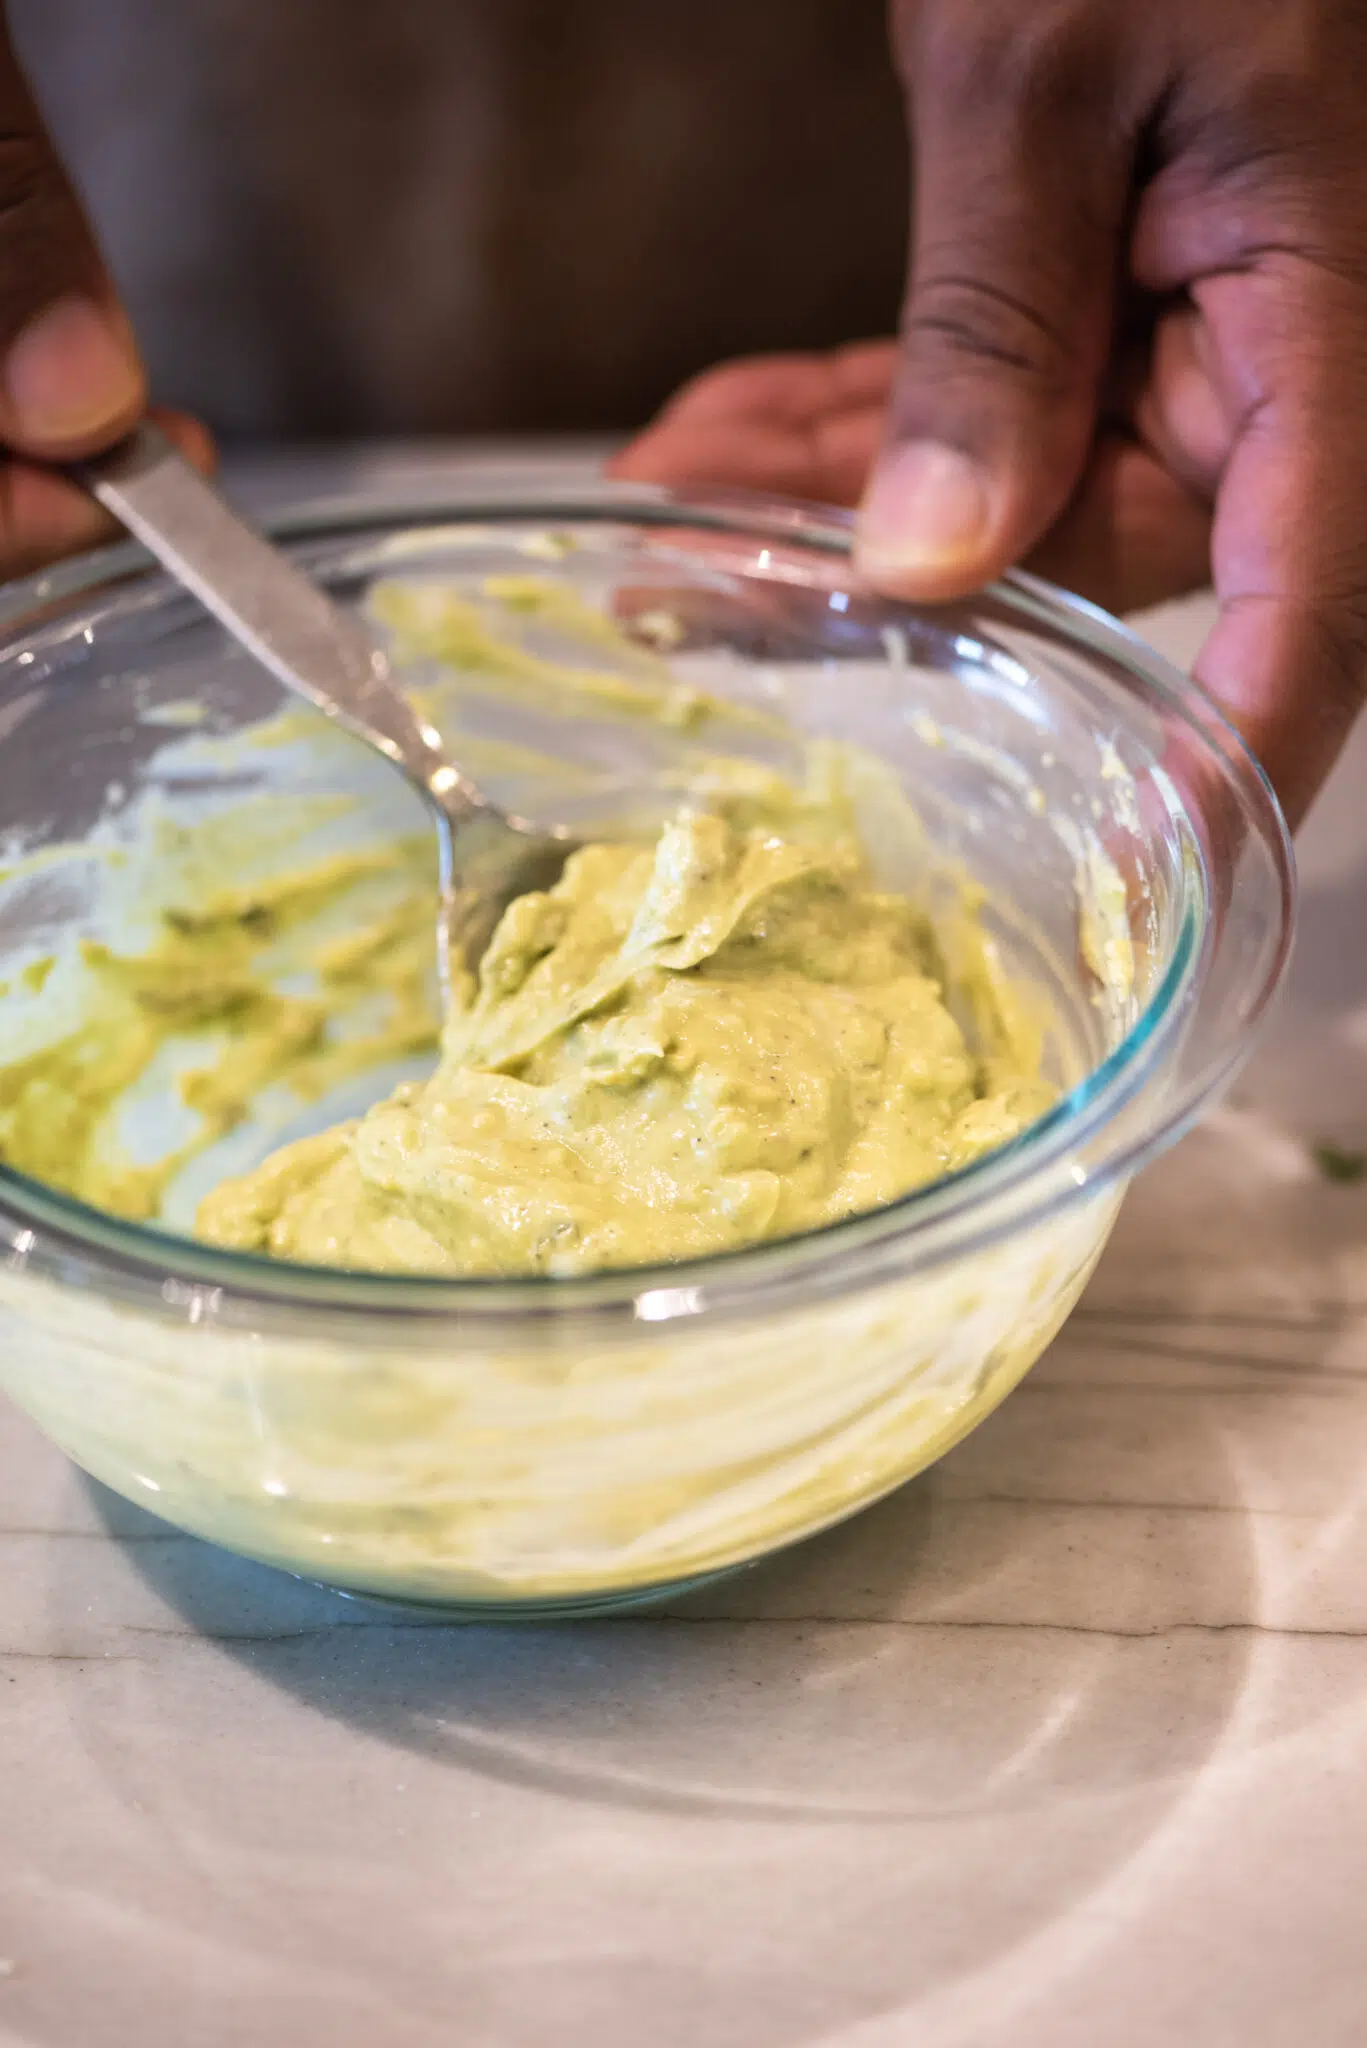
(1288, 656)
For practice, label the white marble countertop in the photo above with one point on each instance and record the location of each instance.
(1064, 1746)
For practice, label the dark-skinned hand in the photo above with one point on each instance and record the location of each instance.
(71, 382)
(1134, 345)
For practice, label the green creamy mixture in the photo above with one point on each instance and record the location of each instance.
(676, 1051)
(731, 1035)
(206, 989)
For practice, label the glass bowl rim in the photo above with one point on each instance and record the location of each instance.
(945, 1216)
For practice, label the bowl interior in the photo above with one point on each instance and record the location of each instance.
(148, 768)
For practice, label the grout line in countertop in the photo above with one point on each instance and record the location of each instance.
(322, 1632)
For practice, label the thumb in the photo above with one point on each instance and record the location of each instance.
(71, 380)
(1022, 163)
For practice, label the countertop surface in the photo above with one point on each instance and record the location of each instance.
(1065, 1745)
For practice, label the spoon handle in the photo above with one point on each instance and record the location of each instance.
(310, 644)
(324, 654)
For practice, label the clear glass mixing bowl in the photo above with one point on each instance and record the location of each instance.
(557, 1446)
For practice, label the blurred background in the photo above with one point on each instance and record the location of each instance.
(332, 218)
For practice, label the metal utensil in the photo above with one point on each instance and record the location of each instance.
(326, 655)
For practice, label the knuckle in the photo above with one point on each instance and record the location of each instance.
(1341, 641)
(965, 319)
(1321, 637)
(25, 165)
(32, 188)
(44, 245)
(1271, 119)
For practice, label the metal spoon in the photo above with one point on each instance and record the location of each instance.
(325, 654)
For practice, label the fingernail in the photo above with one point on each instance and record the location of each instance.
(71, 372)
(927, 508)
